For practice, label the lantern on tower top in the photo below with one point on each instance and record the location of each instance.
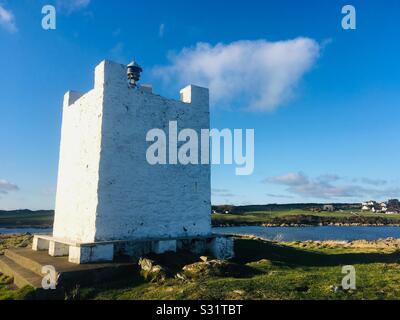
(133, 73)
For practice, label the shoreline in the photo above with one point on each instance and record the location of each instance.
(296, 225)
(266, 225)
(27, 227)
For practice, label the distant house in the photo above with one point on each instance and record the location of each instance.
(390, 207)
(370, 206)
(220, 211)
(328, 207)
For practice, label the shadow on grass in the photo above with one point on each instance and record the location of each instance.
(248, 250)
(123, 282)
(175, 261)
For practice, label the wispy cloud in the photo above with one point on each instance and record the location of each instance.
(327, 186)
(373, 182)
(116, 32)
(289, 179)
(223, 193)
(72, 5)
(117, 52)
(7, 20)
(6, 186)
(328, 177)
(161, 30)
(273, 195)
(260, 74)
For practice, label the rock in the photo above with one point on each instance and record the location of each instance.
(24, 243)
(152, 271)
(205, 258)
(263, 263)
(157, 274)
(239, 291)
(6, 280)
(181, 276)
(146, 264)
(336, 289)
(217, 268)
(210, 268)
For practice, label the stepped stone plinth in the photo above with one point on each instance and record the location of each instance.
(26, 266)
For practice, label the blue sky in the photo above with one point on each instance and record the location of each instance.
(324, 102)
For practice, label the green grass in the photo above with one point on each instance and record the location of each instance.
(286, 271)
(276, 217)
(14, 241)
(296, 270)
(9, 292)
(19, 219)
(299, 216)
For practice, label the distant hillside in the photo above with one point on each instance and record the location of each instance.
(277, 207)
(26, 218)
(26, 211)
(45, 218)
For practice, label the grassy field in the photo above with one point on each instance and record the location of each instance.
(264, 270)
(7, 290)
(260, 270)
(299, 216)
(26, 218)
(14, 241)
(13, 294)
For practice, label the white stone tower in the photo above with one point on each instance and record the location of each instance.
(109, 199)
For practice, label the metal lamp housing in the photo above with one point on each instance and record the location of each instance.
(133, 73)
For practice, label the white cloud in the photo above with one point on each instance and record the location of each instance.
(326, 187)
(7, 20)
(6, 187)
(260, 74)
(72, 5)
(289, 179)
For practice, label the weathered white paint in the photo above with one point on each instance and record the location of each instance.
(57, 249)
(78, 176)
(87, 254)
(222, 247)
(39, 244)
(106, 189)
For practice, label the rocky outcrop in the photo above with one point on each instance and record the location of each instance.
(152, 271)
(216, 268)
